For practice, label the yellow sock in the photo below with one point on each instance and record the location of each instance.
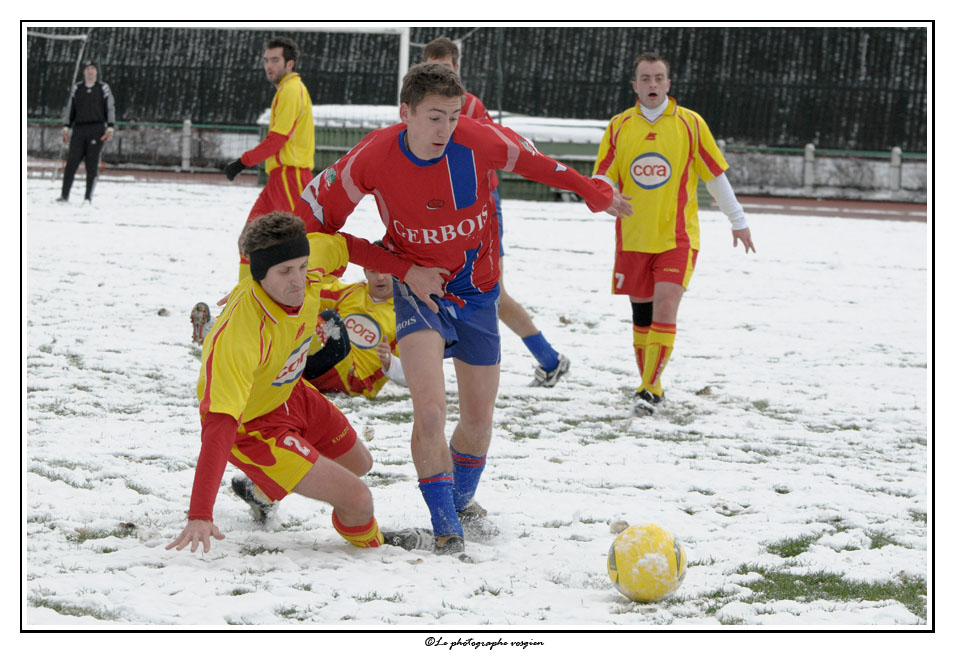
(639, 344)
(361, 536)
(656, 354)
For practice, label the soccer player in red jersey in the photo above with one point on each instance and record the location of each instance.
(431, 177)
(289, 147)
(552, 365)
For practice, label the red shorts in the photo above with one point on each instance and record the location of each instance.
(636, 273)
(277, 449)
(283, 192)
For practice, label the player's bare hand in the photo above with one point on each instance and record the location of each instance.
(743, 236)
(620, 207)
(196, 531)
(425, 282)
(108, 135)
(384, 354)
(66, 135)
(222, 301)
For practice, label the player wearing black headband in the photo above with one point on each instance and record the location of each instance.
(256, 410)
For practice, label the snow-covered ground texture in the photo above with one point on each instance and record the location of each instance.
(792, 458)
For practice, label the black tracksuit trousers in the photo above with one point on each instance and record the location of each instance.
(85, 145)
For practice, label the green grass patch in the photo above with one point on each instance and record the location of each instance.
(53, 475)
(137, 488)
(687, 436)
(81, 535)
(681, 419)
(289, 612)
(776, 585)
(258, 550)
(73, 610)
(487, 589)
(880, 539)
(838, 523)
(400, 417)
(375, 596)
(378, 479)
(791, 547)
(60, 408)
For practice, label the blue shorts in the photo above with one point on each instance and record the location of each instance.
(500, 221)
(470, 332)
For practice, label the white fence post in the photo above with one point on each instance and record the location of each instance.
(186, 144)
(895, 168)
(809, 167)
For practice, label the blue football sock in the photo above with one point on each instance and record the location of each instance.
(545, 354)
(467, 475)
(438, 495)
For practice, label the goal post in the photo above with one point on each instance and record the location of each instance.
(67, 37)
(83, 39)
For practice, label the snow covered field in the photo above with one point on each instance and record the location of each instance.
(795, 440)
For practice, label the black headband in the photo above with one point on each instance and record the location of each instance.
(262, 259)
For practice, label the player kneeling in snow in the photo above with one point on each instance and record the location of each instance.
(256, 410)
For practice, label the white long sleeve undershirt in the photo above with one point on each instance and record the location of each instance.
(395, 371)
(719, 187)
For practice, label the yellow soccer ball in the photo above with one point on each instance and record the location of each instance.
(646, 563)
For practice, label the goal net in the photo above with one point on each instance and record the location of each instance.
(79, 41)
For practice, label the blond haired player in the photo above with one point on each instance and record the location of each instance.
(256, 410)
(655, 152)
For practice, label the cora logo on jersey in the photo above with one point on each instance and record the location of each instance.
(363, 331)
(650, 170)
(294, 365)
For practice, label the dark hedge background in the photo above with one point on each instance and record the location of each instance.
(861, 88)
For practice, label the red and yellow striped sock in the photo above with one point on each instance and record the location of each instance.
(656, 354)
(361, 536)
(640, 334)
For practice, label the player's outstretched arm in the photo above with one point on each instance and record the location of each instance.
(196, 531)
(743, 236)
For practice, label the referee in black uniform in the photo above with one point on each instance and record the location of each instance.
(91, 113)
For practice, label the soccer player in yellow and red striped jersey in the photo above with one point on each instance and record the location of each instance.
(289, 147)
(656, 152)
(366, 313)
(256, 410)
